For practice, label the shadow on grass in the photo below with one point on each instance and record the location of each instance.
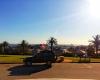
(27, 70)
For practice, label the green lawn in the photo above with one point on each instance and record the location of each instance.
(19, 59)
(77, 59)
(12, 58)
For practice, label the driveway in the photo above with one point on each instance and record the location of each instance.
(68, 71)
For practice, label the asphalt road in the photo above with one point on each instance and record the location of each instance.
(68, 71)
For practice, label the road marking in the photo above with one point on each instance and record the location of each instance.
(54, 79)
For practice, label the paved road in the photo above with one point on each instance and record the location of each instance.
(70, 71)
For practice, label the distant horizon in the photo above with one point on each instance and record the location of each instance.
(46, 43)
(69, 21)
(57, 44)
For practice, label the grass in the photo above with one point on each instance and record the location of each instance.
(19, 59)
(77, 59)
(12, 58)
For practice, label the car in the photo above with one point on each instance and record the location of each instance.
(45, 56)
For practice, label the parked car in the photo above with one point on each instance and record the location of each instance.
(45, 56)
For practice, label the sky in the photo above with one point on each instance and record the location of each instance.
(69, 21)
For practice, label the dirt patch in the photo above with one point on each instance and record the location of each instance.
(67, 61)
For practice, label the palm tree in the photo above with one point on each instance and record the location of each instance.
(24, 46)
(90, 50)
(5, 46)
(96, 42)
(1, 48)
(51, 42)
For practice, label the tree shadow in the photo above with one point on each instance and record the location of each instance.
(27, 70)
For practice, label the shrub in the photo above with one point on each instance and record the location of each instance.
(69, 55)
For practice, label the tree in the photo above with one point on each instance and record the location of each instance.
(52, 42)
(96, 42)
(1, 48)
(72, 50)
(5, 45)
(90, 50)
(24, 46)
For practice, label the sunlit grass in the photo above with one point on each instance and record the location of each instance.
(12, 58)
(19, 59)
(77, 59)
(72, 59)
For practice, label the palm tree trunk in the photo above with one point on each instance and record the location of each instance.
(51, 47)
(96, 49)
(23, 50)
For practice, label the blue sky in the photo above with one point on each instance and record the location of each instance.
(69, 21)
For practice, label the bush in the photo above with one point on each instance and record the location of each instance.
(69, 55)
(96, 56)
